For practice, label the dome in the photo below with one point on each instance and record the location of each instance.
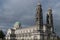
(17, 25)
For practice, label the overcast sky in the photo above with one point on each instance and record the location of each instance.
(24, 11)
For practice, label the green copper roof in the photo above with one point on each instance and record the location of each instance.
(17, 23)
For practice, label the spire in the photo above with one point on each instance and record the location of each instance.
(39, 15)
(49, 17)
(39, 2)
(49, 11)
(49, 20)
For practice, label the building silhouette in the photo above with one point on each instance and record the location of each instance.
(39, 31)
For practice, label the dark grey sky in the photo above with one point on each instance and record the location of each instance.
(24, 11)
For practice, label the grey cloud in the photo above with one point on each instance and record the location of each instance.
(14, 10)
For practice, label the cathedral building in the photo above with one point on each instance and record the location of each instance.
(39, 31)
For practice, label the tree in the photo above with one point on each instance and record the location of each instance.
(58, 38)
(2, 35)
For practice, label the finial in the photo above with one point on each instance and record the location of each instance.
(50, 9)
(39, 2)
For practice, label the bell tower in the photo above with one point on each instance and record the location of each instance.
(39, 16)
(50, 19)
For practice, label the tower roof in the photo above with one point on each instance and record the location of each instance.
(49, 9)
(17, 23)
(38, 2)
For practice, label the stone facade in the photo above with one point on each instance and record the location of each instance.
(30, 33)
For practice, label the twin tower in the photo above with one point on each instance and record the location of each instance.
(39, 17)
